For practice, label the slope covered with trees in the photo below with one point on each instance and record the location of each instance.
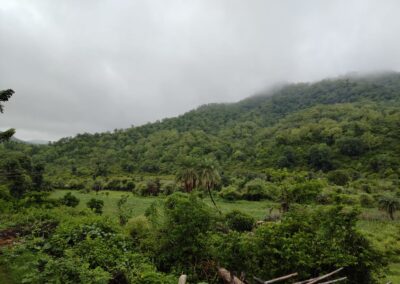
(350, 122)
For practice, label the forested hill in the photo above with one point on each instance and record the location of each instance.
(350, 122)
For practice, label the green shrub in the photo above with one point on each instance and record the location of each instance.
(96, 205)
(230, 193)
(139, 228)
(239, 221)
(366, 200)
(181, 241)
(310, 242)
(169, 187)
(124, 184)
(307, 191)
(69, 200)
(258, 189)
(339, 177)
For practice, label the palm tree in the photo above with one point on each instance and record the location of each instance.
(390, 204)
(209, 178)
(188, 177)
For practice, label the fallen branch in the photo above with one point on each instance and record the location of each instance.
(259, 280)
(334, 281)
(281, 278)
(305, 281)
(226, 276)
(324, 276)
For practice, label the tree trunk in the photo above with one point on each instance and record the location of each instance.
(182, 279)
(212, 199)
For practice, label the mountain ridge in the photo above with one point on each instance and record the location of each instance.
(238, 135)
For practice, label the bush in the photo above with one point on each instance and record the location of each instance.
(339, 177)
(72, 184)
(149, 188)
(366, 200)
(96, 205)
(139, 228)
(69, 200)
(275, 249)
(169, 187)
(239, 221)
(258, 189)
(306, 192)
(230, 193)
(125, 184)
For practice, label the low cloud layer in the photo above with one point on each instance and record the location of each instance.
(96, 65)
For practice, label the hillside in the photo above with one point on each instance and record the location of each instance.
(355, 119)
(321, 159)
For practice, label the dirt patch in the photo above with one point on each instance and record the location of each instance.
(8, 236)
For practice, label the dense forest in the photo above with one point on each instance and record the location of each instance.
(320, 154)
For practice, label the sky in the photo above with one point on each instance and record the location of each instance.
(96, 65)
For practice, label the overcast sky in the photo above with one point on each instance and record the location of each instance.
(95, 65)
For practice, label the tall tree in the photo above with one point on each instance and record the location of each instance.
(5, 95)
(209, 177)
(188, 177)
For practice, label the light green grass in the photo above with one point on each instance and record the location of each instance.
(385, 235)
(138, 204)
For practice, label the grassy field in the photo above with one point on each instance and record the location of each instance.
(385, 234)
(258, 209)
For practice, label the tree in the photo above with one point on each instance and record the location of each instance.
(96, 205)
(351, 146)
(390, 204)
(16, 169)
(5, 95)
(320, 157)
(124, 212)
(188, 177)
(37, 176)
(209, 177)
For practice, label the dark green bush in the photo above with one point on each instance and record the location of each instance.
(258, 189)
(339, 177)
(230, 193)
(96, 205)
(69, 200)
(239, 221)
(366, 200)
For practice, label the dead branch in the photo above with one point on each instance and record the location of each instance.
(334, 281)
(281, 278)
(324, 276)
(305, 281)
